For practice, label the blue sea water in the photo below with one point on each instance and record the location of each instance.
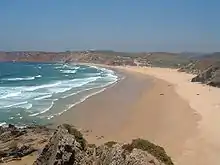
(37, 92)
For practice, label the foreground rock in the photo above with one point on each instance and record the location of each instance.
(207, 69)
(68, 147)
(16, 143)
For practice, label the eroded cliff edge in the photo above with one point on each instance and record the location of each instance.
(67, 146)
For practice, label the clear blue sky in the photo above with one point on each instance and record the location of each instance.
(122, 25)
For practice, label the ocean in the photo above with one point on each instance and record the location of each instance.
(34, 93)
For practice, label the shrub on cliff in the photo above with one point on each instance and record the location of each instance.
(157, 151)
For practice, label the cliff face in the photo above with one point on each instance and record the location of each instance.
(68, 147)
(207, 69)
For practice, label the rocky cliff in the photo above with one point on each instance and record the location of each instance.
(207, 69)
(68, 147)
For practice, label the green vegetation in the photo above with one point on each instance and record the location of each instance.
(157, 151)
(110, 143)
(78, 135)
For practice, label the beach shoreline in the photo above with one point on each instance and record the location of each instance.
(140, 106)
(157, 104)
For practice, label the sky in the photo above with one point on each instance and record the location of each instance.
(120, 25)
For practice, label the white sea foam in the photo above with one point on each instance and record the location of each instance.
(20, 78)
(45, 110)
(59, 89)
(72, 67)
(69, 84)
(92, 74)
(108, 72)
(92, 66)
(42, 86)
(67, 66)
(82, 81)
(15, 104)
(84, 98)
(58, 67)
(76, 103)
(25, 106)
(2, 124)
(40, 98)
(68, 71)
(75, 93)
(43, 97)
(50, 117)
(38, 76)
(10, 95)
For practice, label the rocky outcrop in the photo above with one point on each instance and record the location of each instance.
(207, 70)
(68, 147)
(64, 147)
(18, 142)
(210, 76)
(190, 68)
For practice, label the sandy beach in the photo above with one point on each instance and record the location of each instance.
(157, 104)
(154, 104)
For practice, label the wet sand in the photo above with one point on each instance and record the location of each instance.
(139, 106)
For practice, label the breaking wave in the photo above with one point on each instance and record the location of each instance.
(36, 93)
